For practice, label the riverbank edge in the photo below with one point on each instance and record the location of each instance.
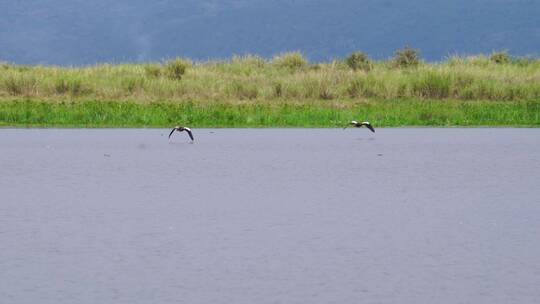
(283, 114)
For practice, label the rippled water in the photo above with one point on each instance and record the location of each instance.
(270, 216)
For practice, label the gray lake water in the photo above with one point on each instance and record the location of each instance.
(270, 216)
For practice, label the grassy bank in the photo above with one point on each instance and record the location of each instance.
(284, 91)
(314, 114)
(289, 77)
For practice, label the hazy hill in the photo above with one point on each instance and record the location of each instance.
(84, 32)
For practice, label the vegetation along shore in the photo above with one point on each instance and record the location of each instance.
(285, 91)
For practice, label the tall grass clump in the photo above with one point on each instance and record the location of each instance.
(480, 61)
(278, 89)
(176, 68)
(291, 60)
(434, 85)
(406, 58)
(242, 90)
(321, 87)
(154, 71)
(359, 61)
(20, 84)
(522, 61)
(250, 60)
(131, 85)
(65, 85)
(363, 86)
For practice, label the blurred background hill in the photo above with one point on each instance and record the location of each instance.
(86, 32)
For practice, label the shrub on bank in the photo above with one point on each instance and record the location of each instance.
(359, 61)
(176, 68)
(406, 58)
(500, 57)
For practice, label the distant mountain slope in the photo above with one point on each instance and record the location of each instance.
(85, 32)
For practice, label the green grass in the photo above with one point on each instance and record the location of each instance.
(389, 113)
(287, 90)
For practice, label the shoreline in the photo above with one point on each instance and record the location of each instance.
(382, 113)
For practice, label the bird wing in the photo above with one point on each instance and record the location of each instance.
(369, 126)
(189, 133)
(174, 129)
(353, 122)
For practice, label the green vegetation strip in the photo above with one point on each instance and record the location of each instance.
(285, 91)
(390, 113)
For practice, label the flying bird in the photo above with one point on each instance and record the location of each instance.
(180, 129)
(357, 124)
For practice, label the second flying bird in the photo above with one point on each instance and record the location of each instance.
(181, 129)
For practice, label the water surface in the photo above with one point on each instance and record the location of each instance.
(270, 216)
